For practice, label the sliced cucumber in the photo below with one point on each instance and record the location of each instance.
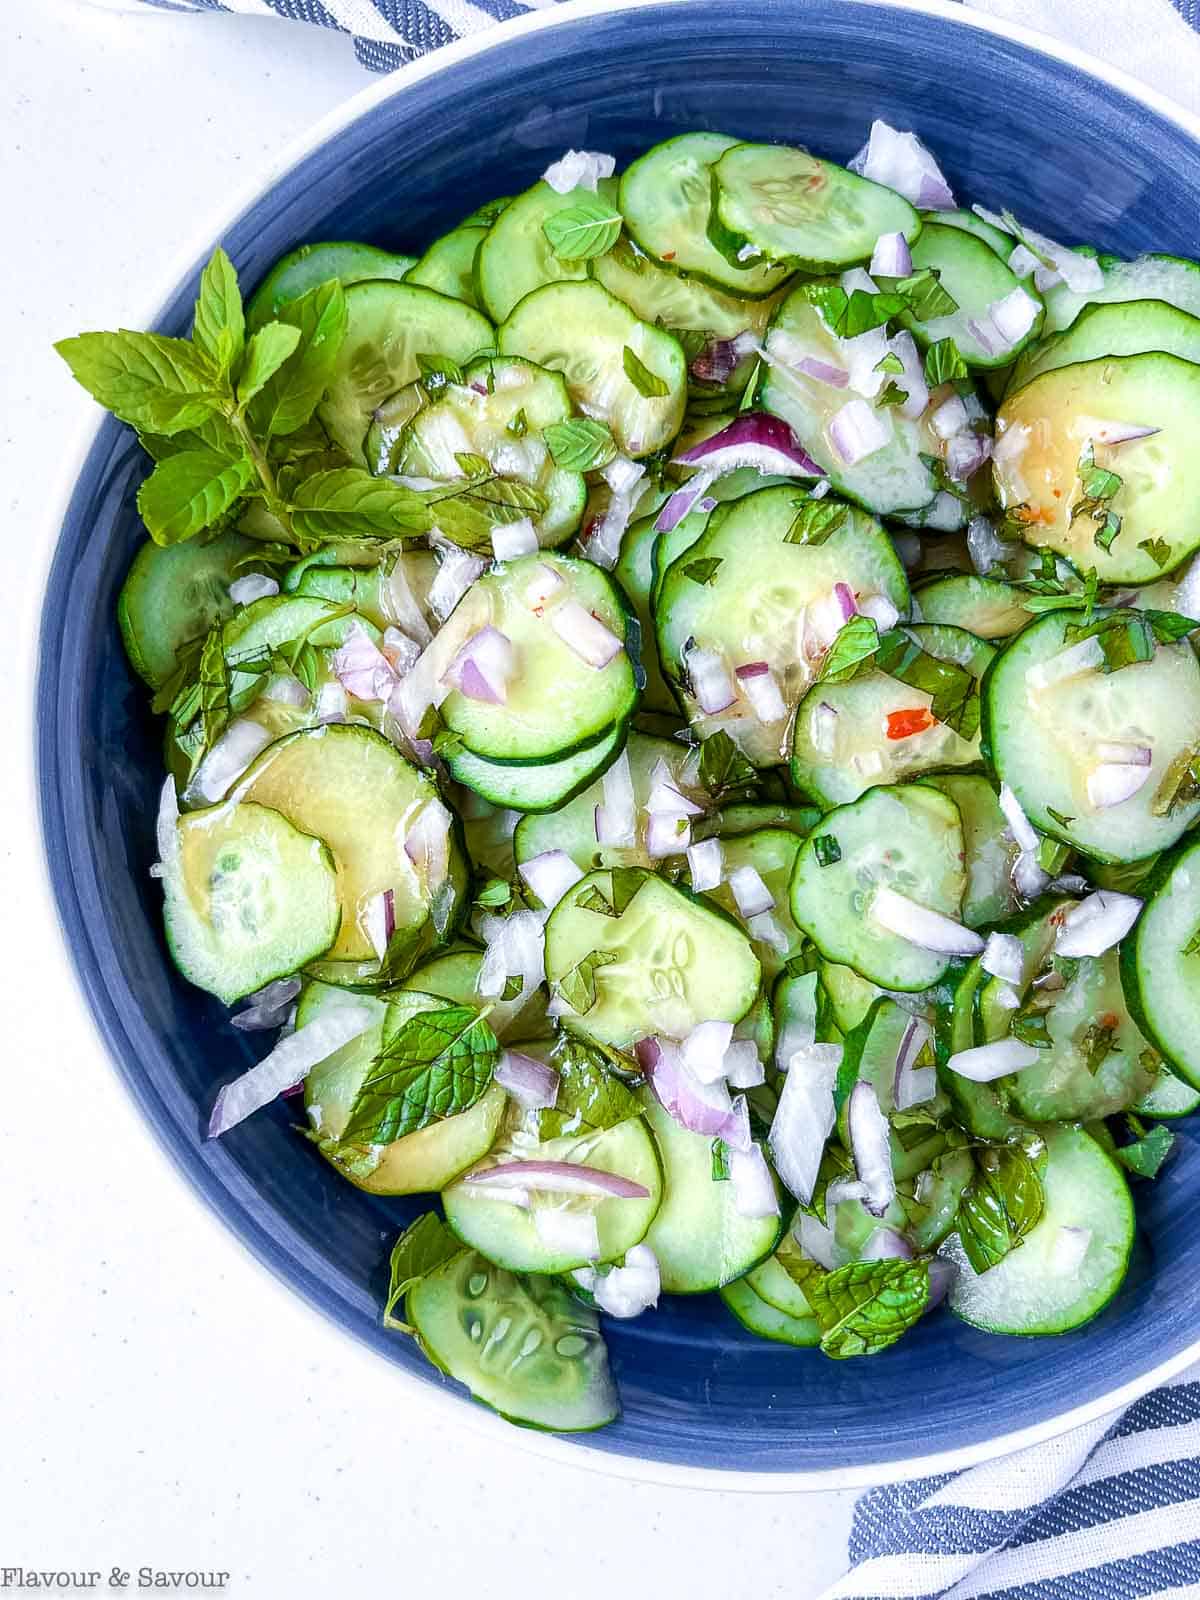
(389, 326)
(303, 269)
(665, 199)
(1002, 243)
(754, 606)
(732, 820)
(517, 257)
(498, 412)
(523, 1345)
(1128, 329)
(540, 786)
(986, 607)
(907, 839)
(698, 1236)
(174, 594)
(1043, 429)
(673, 300)
(1168, 1097)
(991, 851)
(360, 587)
(453, 975)
(782, 203)
(975, 276)
(508, 1234)
(634, 571)
(1159, 971)
(1045, 742)
(1153, 277)
(596, 342)
(982, 1108)
(247, 898)
(449, 264)
(771, 852)
(678, 961)
(351, 788)
(850, 996)
(759, 1316)
(1032, 1291)
(557, 702)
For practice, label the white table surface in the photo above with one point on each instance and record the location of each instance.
(164, 1402)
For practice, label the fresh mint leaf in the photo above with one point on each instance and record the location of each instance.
(852, 651)
(447, 744)
(1180, 784)
(891, 395)
(944, 363)
(1192, 947)
(720, 1161)
(213, 433)
(289, 398)
(423, 1247)
(1125, 637)
(218, 324)
(889, 363)
(1158, 550)
(943, 483)
(347, 503)
(580, 444)
(1145, 1156)
(214, 688)
(722, 766)
(703, 570)
(495, 895)
(951, 688)
(188, 492)
(268, 349)
(826, 849)
(1099, 486)
(589, 227)
(472, 465)
(469, 510)
(866, 1306)
(1107, 531)
(1098, 1043)
(156, 384)
(1000, 1206)
(922, 294)
(513, 987)
(437, 373)
(590, 1096)
(848, 315)
(647, 383)
(437, 1064)
(1170, 626)
(578, 985)
(1029, 1026)
(816, 521)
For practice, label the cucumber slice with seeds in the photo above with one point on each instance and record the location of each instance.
(671, 300)
(634, 571)
(516, 257)
(312, 264)
(973, 275)
(986, 607)
(174, 594)
(449, 265)
(1159, 970)
(1129, 329)
(991, 851)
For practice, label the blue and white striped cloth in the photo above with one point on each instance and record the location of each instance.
(1110, 1511)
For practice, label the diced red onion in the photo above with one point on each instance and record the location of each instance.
(288, 1064)
(579, 169)
(361, 667)
(544, 585)
(457, 572)
(1097, 923)
(749, 891)
(584, 634)
(253, 586)
(885, 1244)
(922, 926)
(402, 652)
(427, 844)
(901, 162)
(711, 683)
(716, 363)
(1004, 957)
(379, 921)
(1114, 433)
(233, 752)
(816, 1241)
(822, 371)
(891, 257)
(942, 1273)
(985, 549)
(966, 453)
(666, 796)
(1068, 1250)
(1028, 876)
(401, 604)
(913, 1085)
(513, 539)
(753, 1186)
(628, 1290)
(950, 417)
(857, 431)
(871, 1146)
(843, 1189)
(986, 1062)
(682, 501)
(1013, 315)
(761, 689)
(482, 668)
(1023, 831)
(804, 1117)
(705, 864)
(844, 595)
(703, 1051)
(557, 1177)
(668, 833)
(1128, 755)
(863, 353)
(699, 1107)
(1022, 263)
(333, 703)
(531, 1083)
(573, 1233)
(1114, 782)
(268, 1006)
(755, 439)
(550, 875)
(736, 1132)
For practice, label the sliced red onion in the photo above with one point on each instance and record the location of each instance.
(919, 925)
(766, 927)
(1113, 782)
(402, 652)
(1068, 1250)
(716, 363)
(616, 817)
(379, 921)
(253, 586)
(530, 1082)
(482, 668)
(584, 634)
(913, 1085)
(857, 431)
(749, 891)
(668, 833)
(333, 703)
(706, 504)
(901, 162)
(361, 667)
(891, 257)
(1004, 957)
(557, 1177)
(427, 844)
(822, 371)
(950, 418)
(579, 169)
(1097, 923)
(513, 539)
(885, 1244)
(288, 1064)
(573, 1233)
(628, 1290)
(844, 595)
(455, 575)
(804, 1117)
(912, 380)
(743, 1068)
(880, 610)
(682, 501)
(701, 1108)
(703, 1051)
(965, 454)
(986, 1062)
(1014, 315)
(984, 547)
(544, 586)
(816, 1241)
(550, 875)
(705, 864)
(761, 689)
(871, 1146)
(268, 1006)
(625, 479)
(1027, 837)
(753, 1186)
(233, 752)
(755, 439)
(711, 684)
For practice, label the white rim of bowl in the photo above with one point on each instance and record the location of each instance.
(443, 1402)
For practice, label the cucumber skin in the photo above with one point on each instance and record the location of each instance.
(1129, 951)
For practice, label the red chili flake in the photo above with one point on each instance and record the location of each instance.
(668, 255)
(903, 724)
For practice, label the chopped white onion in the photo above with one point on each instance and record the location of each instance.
(573, 1233)
(703, 1051)
(1014, 315)
(668, 833)
(1097, 923)
(762, 691)
(628, 1290)
(749, 891)
(1023, 831)
(228, 759)
(984, 547)
(743, 1068)
(885, 1244)
(285, 690)
(871, 1146)
(816, 1241)
(804, 1117)
(333, 703)
(579, 169)
(287, 1065)
(545, 584)
(379, 921)
(513, 539)
(891, 257)
(753, 1186)
(1068, 1250)
(986, 1062)
(767, 928)
(531, 1083)
(1113, 782)
(913, 1085)
(901, 162)
(625, 479)
(922, 926)
(616, 817)
(584, 634)
(706, 864)
(253, 586)
(666, 796)
(1004, 957)
(912, 380)
(858, 431)
(881, 611)
(458, 571)
(514, 947)
(950, 418)
(711, 684)
(550, 875)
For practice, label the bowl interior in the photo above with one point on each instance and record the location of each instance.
(1012, 127)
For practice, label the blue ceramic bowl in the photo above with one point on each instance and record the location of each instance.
(1075, 155)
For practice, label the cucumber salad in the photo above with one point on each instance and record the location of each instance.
(682, 730)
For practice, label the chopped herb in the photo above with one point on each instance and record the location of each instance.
(1107, 531)
(826, 849)
(472, 465)
(750, 392)
(1146, 1155)
(589, 227)
(1180, 785)
(891, 395)
(436, 1064)
(703, 570)
(1098, 1043)
(944, 363)
(594, 899)
(447, 744)
(1053, 854)
(495, 895)
(647, 383)
(578, 986)
(1029, 1026)
(518, 426)
(1192, 947)
(513, 986)
(889, 363)
(1000, 1207)
(923, 294)
(952, 689)
(816, 521)
(720, 1161)
(437, 373)
(1060, 817)
(1158, 550)
(1099, 486)
(580, 444)
(852, 651)
(943, 483)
